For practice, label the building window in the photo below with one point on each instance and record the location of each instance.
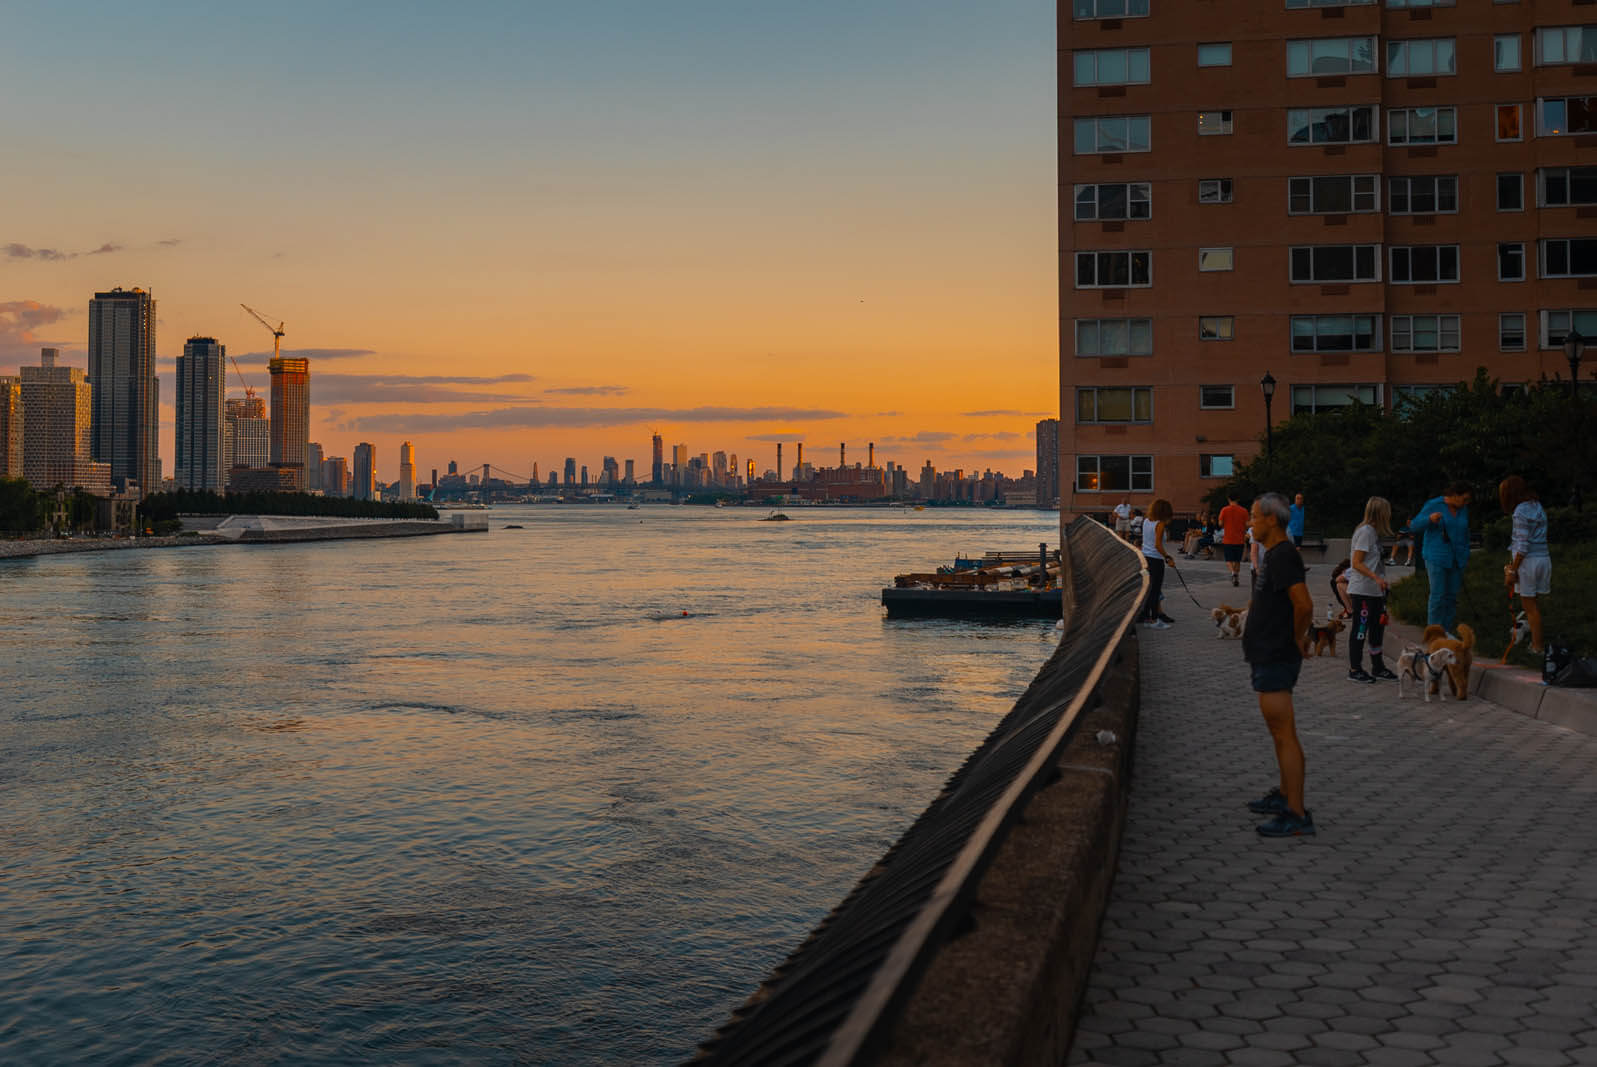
(1292, 4)
(1569, 257)
(1211, 123)
(1336, 333)
(1333, 194)
(1511, 261)
(1214, 190)
(1108, 9)
(1116, 404)
(1112, 66)
(1430, 194)
(1114, 337)
(1331, 125)
(1557, 324)
(1408, 59)
(1217, 397)
(1509, 127)
(1424, 264)
(1217, 328)
(1216, 466)
(1511, 331)
(1406, 397)
(1505, 52)
(1215, 54)
(1216, 259)
(1425, 333)
(1098, 134)
(1559, 116)
(1567, 186)
(1307, 399)
(1320, 56)
(1336, 263)
(1116, 200)
(1114, 474)
(1422, 125)
(1510, 192)
(1114, 270)
(1566, 44)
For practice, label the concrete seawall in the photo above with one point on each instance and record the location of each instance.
(253, 530)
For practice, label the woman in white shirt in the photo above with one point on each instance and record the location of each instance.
(1156, 558)
(1366, 587)
(1530, 567)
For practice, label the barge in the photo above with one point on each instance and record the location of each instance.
(1001, 585)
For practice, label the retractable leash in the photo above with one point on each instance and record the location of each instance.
(1184, 586)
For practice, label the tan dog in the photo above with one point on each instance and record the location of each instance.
(1463, 650)
(1229, 621)
(1321, 638)
(1422, 667)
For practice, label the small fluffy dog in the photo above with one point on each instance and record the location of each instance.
(1321, 638)
(1229, 621)
(1520, 631)
(1463, 650)
(1425, 668)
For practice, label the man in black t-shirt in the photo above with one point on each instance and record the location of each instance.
(1278, 616)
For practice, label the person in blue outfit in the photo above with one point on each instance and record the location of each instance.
(1294, 524)
(1443, 522)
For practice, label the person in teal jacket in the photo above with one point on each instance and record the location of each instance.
(1443, 522)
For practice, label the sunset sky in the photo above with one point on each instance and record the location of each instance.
(521, 231)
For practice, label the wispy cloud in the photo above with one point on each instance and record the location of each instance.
(1001, 435)
(19, 321)
(312, 353)
(779, 437)
(924, 437)
(1007, 414)
(391, 389)
(590, 390)
(540, 417)
(15, 250)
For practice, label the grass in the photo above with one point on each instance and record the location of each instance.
(1566, 611)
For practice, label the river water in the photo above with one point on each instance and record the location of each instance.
(487, 798)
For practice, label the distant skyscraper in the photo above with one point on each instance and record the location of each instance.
(10, 427)
(291, 412)
(56, 421)
(1047, 462)
(571, 471)
(657, 472)
(612, 473)
(407, 472)
(201, 388)
(453, 469)
(679, 463)
(364, 485)
(245, 436)
(125, 419)
(314, 458)
(630, 479)
(335, 476)
(584, 474)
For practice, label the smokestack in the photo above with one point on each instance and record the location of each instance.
(801, 458)
(871, 461)
(842, 455)
(779, 461)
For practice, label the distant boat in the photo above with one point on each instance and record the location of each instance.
(776, 516)
(632, 507)
(514, 526)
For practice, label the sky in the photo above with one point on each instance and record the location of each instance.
(516, 232)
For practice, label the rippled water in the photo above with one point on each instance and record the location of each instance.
(483, 798)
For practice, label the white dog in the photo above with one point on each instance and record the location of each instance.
(1229, 621)
(1425, 668)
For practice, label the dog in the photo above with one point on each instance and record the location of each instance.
(1425, 668)
(1520, 631)
(1463, 650)
(1229, 621)
(1321, 640)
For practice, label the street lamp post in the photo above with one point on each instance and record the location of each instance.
(1267, 384)
(1574, 348)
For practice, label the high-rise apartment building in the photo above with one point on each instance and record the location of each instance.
(201, 389)
(315, 456)
(245, 434)
(363, 485)
(291, 413)
(570, 471)
(57, 424)
(125, 420)
(335, 476)
(407, 471)
(1047, 462)
(1357, 201)
(631, 478)
(10, 427)
(657, 471)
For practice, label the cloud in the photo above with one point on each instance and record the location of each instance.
(170, 242)
(312, 353)
(412, 389)
(19, 319)
(538, 417)
(888, 414)
(1001, 435)
(925, 437)
(1007, 414)
(779, 437)
(50, 255)
(590, 390)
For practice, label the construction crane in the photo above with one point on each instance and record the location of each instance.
(248, 392)
(277, 331)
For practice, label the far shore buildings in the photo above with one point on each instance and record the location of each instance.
(407, 471)
(10, 426)
(1347, 200)
(125, 420)
(56, 429)
(201, 388)
(245, 435)
(364, 483)
(291, 418)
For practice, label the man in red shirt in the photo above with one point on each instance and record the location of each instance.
(1233, 534)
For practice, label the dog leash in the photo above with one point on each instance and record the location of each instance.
(1184, 586)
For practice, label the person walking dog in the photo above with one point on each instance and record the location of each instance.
(1444, 523)
(1366, 587)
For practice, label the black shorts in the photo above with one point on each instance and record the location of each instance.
(1275, 677)
(1233, 553)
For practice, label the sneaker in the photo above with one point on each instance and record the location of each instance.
(1272, 803)
(1286, 824)
(1167, 620)
(1157, 624)
(1358, 675)
(1381, 674)
(1234, 580)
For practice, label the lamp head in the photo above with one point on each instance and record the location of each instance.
(1574, 348)
(1267, 383)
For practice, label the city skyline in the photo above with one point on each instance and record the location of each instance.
(632, 246)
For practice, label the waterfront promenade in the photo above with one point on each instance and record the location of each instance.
(1446, 913)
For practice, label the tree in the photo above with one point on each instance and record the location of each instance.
(21, 509)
